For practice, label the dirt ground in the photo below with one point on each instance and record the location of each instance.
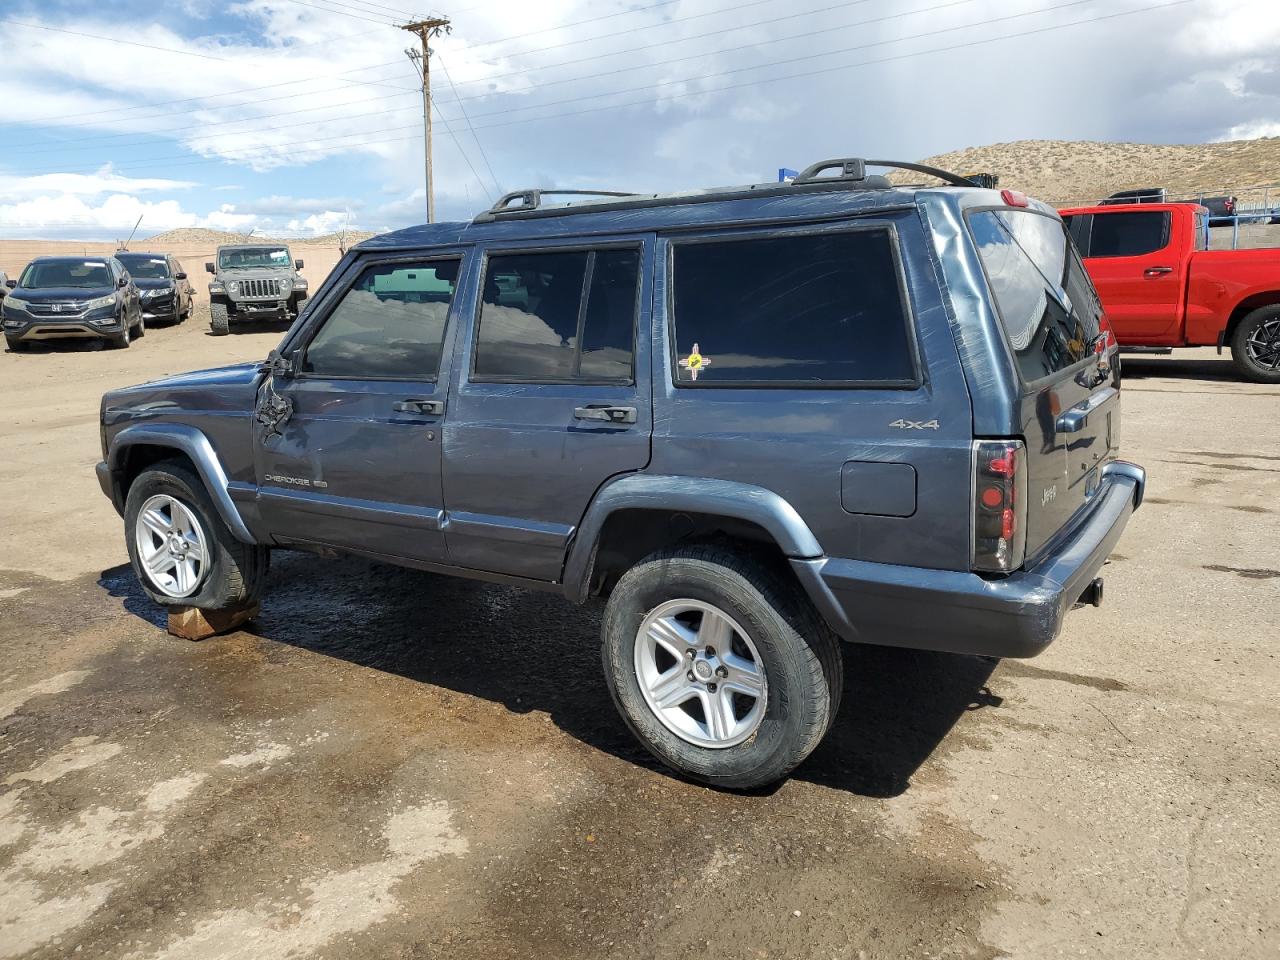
(388, 764)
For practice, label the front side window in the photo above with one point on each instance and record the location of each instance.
(558, 317)
(1045, 300)
(808, 309)
(389, 325)
(1128, 234)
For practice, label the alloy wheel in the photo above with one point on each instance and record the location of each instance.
(1263, 345)
(700, 673)
(172, 546)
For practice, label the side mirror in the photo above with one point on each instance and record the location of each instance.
(179, 276)
(122, 282)
(209, 266)
(297, 264)
(282, 365)
(11, 284)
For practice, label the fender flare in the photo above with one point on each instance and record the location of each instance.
(199, 451)
(726, 498)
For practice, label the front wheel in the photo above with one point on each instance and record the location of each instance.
(1255, 345)
(219, 320)
(181, 550)
(720, 667)
(16, 346)
(122, 340)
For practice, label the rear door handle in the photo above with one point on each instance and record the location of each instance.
(605, 413)
(1077, 418)
(1153, 272)
(435, 407)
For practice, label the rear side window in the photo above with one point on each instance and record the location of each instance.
(389, 325)
(558, 317)
(1044, 297)
(803, 310)
(1128, 234)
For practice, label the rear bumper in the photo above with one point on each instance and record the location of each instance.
(960, 612)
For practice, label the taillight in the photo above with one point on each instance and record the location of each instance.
(1014, 198)
(1104, 344)
(999, 504)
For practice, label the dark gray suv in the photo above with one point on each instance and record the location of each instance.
(58, 298)
(758, 421)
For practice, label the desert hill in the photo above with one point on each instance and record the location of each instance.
(1067, 171)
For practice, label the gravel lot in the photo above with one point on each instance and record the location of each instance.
(393, 765)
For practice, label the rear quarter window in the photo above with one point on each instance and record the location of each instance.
(817, 309)
(1043, 296)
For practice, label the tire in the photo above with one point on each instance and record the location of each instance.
(17, 346)
(231, 574)
(1255, 345)
(122, 340)
(219, 321)
(770, 619)
(140, 330)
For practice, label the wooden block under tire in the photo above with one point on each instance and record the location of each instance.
(191, 623)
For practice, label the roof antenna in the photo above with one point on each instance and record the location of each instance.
(125, 246)
(246, 236)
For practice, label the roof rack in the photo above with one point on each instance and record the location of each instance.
(532, 199)
(852, 172)
(855, 168)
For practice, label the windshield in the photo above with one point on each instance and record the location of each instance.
(146, 268)
(245, 257)
(66, 273)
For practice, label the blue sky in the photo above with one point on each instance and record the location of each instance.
(295, 116)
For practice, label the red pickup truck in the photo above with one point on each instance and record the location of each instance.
(1160, 286)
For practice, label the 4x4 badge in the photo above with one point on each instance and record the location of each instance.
(916, 424)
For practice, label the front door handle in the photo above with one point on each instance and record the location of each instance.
(435, 407)
(605, 413)
(1152, 272)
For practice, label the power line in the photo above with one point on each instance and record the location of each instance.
(777, 63)
(479, 146)
(342, 13)
(180, 160)
(460, 100)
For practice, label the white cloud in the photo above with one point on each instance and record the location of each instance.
(105, 180)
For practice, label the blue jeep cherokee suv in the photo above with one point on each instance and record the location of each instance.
(757, 420)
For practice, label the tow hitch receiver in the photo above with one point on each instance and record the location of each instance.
(1092, 594)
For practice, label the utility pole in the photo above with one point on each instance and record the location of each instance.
(425, 30)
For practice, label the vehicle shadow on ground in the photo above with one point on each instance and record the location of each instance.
(1215, 371)
(529, 651)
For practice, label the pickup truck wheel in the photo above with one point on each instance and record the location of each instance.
(722, 670)
(182, 552)
(219, 321)
(1255, 345)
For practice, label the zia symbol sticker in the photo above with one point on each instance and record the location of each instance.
(694, 362)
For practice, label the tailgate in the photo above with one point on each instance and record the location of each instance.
(1052, 318)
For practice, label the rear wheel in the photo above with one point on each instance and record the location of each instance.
(140, 330)
(219, 320)
(182, 552)
(719, 666)
(1255, 345)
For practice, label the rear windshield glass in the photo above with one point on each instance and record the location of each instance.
(66, 273)
(1048, 306)
(146, 268)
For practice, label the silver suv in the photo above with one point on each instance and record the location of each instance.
(254, 281)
